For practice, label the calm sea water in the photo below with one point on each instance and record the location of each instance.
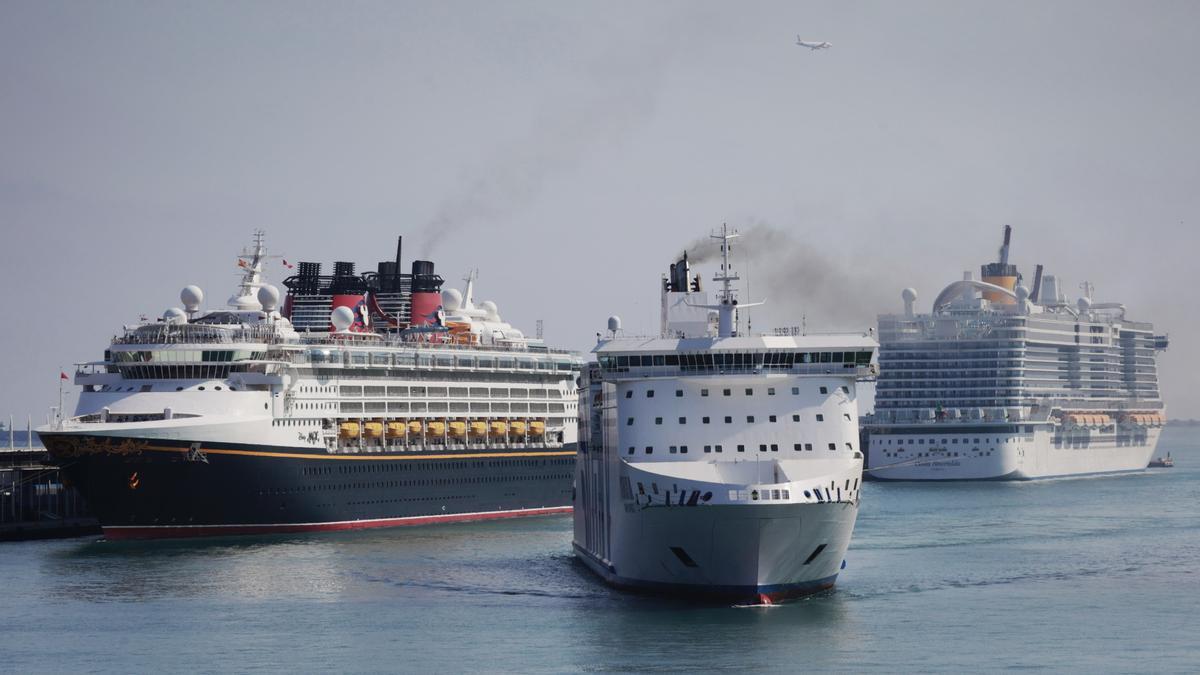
(1094, 574)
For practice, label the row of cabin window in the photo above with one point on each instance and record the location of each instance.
(729, 419)
(736, 359)
(954, 441)
(762, 447)
(729, 392)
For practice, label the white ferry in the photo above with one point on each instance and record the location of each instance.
(714, 463)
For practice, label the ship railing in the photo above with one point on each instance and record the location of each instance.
(392, 340)
(159, 334)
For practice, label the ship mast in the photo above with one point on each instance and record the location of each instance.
(727, 296)
(727, 304)
(251, 262)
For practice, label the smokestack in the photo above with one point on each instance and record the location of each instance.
(1004, 248)
(1037, 285)
(399, 244)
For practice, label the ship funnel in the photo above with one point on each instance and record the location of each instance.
(426, 293)
(1037, 285)
(1000, 273)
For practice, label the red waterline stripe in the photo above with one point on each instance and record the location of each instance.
(180, 531)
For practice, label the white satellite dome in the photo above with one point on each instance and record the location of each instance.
(191, 297)
(1084, 304)
(452, 299)
(174, 315)
(493, 312)
(614, 323)
(268, 297)
(1022, 294)
(342, 318)
(909, 295)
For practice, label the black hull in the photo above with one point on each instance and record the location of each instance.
(153, 489)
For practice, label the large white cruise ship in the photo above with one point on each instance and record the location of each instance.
(364, 400)
(1003, 382)
(714, 463)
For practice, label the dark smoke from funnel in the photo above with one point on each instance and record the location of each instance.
(620, 94)
(798, 280)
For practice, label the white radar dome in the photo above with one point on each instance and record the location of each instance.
(174, 315)
(342, 318)
(909, 295)
(452, 299)
(614, 323)
(493, 312)
(268, 297)
(1084, 304)
(1022, 293)
(191, 297)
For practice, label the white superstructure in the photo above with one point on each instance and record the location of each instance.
(1000, 382)
(719, 464)
(455, 416)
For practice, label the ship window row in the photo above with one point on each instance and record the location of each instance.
(176, 372)
(167, 356)
(763, 447)
(749, 391)
(449, 407)
(379, 391)
(733, 360)
(750, 419)
(411, 360)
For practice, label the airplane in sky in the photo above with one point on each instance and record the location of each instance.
(813, 45)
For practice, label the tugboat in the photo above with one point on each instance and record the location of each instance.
(1162, 462)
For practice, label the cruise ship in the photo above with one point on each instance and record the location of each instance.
(717, 464)
(363, 400)
(1004, 382)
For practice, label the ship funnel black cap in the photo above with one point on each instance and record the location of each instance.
(423, 278)
(678, 276)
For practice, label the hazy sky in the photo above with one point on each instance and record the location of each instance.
(571, 150)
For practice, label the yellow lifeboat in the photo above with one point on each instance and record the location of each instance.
(458, 429)
(373, 429)
(396, 429)
(498, 428)
(516, 428)
(479, 428)
(415, 427)
(537, 428)
(348, 430)
(435, 428)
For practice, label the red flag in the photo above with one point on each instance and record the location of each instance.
(241, 263)
(63, 376)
